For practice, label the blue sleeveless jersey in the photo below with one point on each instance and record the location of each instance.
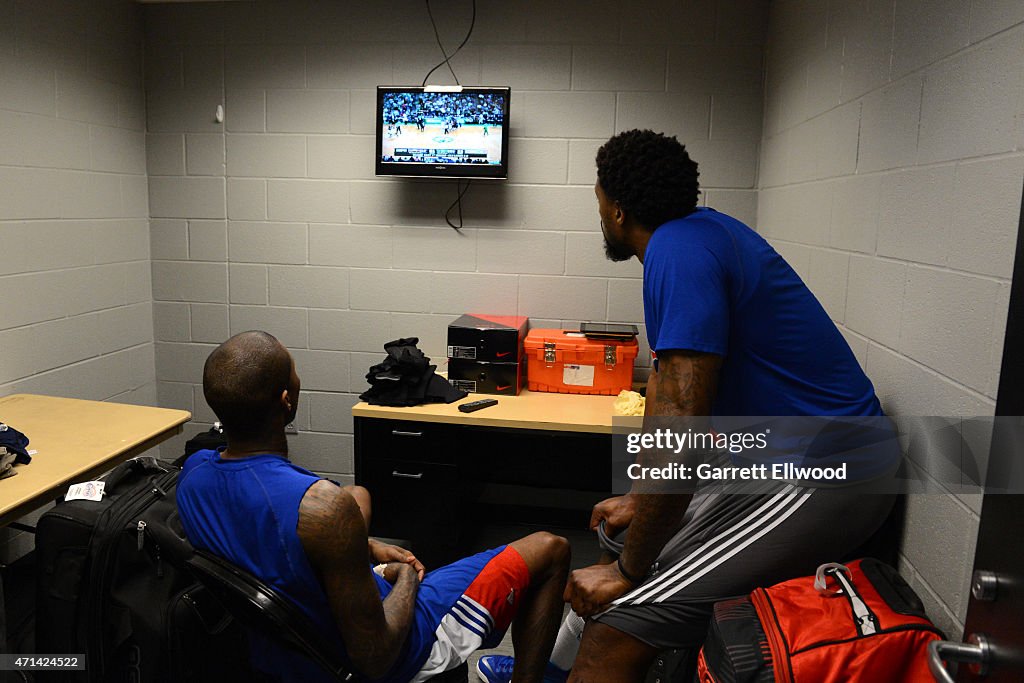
(246, 511)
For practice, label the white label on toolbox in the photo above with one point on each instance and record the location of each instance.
(462, 352)
(464, 385)
(87, 490)
(578, 375)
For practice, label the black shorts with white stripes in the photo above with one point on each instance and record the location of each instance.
(733, 543)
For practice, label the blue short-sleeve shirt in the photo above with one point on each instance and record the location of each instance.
(712, 284)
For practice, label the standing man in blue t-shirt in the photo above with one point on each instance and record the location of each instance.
(735, 333)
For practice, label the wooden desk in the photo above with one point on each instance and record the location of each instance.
(75, 440)
(528, 410)
(434, 471)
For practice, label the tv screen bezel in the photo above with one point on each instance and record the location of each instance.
(416, 170)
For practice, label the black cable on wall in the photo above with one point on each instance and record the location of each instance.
(459, 189)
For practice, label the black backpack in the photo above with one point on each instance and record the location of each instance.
(213, 439)
(112, 585)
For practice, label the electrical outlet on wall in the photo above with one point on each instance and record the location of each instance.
(290, 428)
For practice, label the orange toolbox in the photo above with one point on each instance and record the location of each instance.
(566, 362)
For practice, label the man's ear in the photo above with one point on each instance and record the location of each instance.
(286, 400)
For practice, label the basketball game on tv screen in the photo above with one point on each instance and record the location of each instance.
(442, 128)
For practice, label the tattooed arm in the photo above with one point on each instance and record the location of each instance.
(333, 535)
(684, 385)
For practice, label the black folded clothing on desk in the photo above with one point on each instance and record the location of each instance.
(406, 378)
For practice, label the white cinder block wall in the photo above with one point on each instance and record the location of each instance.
(75, 296)
(275, 219)
(887, 171)
(891, 171)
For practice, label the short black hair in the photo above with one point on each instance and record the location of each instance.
(650, 175)
(243, 379)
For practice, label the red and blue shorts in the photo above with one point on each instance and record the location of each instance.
(465, 606)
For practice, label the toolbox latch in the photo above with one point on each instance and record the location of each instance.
(609, 355)
(549, 352)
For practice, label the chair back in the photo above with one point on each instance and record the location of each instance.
(262, 609)
(255, 604)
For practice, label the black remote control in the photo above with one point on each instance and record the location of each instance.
(478, 405)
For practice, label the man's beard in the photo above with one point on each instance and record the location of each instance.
(615, 251)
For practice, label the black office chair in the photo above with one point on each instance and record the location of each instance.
(261, 608)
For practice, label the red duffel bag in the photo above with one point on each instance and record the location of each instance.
(855, 622)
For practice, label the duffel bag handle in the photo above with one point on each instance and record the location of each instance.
(139, 465)
(821, 582)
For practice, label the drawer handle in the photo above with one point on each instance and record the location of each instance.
(406, 475)
(398, 432)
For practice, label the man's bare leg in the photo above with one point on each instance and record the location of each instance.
(567, 642)
(609, 655)
(534, 628)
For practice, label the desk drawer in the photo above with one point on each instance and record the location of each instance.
(414, 500)
(406, 440)
(555, 460)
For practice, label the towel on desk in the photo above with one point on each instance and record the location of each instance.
(7, 463)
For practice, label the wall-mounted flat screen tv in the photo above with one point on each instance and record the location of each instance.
(442, 131)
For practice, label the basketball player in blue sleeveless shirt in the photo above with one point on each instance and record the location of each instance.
(307, 537)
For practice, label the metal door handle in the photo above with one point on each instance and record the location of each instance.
(977, 652)
(405, 475)
(398, 432)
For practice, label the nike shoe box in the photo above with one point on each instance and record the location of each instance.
(482, 377)
(487, 338)
(485, 353)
